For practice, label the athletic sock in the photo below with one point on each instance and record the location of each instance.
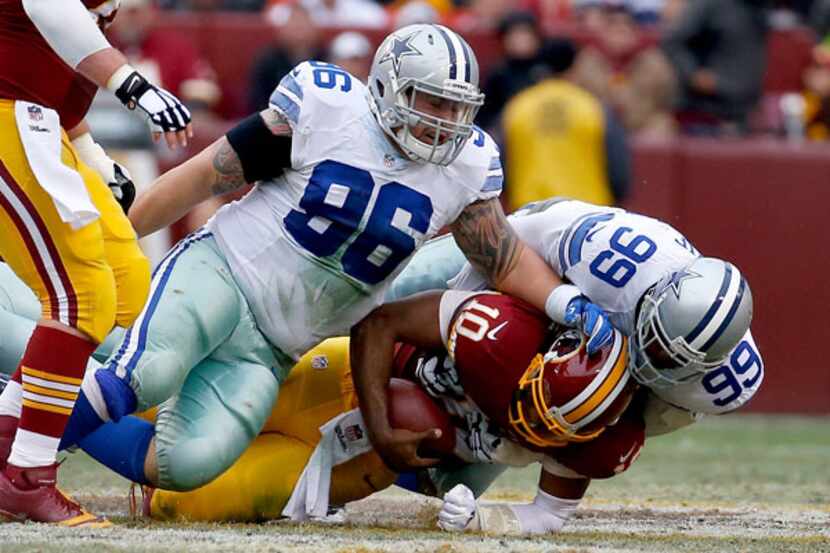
(52, 368)
(11, 400)
(103, 397)
(121, 446)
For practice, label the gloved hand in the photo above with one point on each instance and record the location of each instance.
(166, 113)
(122, 187)
(591, 320)
(459, 511)
(115, 175)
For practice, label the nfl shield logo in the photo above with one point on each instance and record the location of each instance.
(35, 113)
(354, 433)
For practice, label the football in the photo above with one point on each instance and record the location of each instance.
(411, 408)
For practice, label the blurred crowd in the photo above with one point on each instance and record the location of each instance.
(571, 82)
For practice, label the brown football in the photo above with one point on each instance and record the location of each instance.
(412, 408)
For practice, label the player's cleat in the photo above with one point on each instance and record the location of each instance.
(8, 428)
(146, 500)
(31, 494)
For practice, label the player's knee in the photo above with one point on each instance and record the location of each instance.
(132, 286)
(158, 375)
(189, 463)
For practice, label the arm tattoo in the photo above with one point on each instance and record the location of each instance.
(227, 170)
(487, 239)
(275, 122)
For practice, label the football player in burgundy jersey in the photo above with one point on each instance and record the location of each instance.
(521, 390)
(62, 230)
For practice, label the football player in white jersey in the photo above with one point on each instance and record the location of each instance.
(351, 180)
(688, 316)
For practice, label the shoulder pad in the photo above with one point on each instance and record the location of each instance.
(481, 164)
(315, 93)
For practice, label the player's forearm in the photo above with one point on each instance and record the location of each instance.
(173, 194)
(78, 130)
(530, 279)
(371, 352)
(101, 66)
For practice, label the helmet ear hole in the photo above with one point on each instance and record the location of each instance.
(380, 87)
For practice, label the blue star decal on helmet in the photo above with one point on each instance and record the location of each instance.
(676, 280)
(399, 48)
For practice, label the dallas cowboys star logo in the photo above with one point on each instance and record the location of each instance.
(399, 48)
(677, 278)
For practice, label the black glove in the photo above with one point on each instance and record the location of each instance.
(166, 112)
(122, 187)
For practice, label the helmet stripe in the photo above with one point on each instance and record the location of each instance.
(597, 402)
(604, 373)
(468, 56)
(718, 311)
(461, 54)
(451, 48)
(728, 319)
(606, 403)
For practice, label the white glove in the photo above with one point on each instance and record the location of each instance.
(115, 175)
(166, 112)
(459, 511)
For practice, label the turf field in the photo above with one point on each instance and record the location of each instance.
(729, 484)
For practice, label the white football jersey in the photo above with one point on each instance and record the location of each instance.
(614, 257)
(314, 250)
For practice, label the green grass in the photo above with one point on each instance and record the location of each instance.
(733, 459)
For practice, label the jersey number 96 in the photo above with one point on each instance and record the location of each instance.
(335, 199)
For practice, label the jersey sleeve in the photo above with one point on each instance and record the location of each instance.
(480, 166)
(318, 100)
(724, 389)
(289, 96)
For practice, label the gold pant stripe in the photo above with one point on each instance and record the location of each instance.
(52, 377)
(47, 407)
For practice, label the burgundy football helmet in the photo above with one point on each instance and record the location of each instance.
(567, 396)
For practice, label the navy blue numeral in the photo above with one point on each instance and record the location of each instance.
(638, 250)
(326, 75)
(385, 243)
(334, 203)
(339, 194)
(742, 359)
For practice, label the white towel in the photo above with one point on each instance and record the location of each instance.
(40, 133)
(341, 439)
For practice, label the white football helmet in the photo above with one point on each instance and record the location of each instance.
(425, 59)
(690, 322)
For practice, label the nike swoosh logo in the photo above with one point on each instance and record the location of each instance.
(492, 333)
(624, 458)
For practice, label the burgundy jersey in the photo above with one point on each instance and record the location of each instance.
(30, 70)
(492, 341)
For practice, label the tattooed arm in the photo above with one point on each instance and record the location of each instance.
(495, 250)
(216, 170)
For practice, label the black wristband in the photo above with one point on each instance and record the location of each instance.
(131, 89)
(263, 154)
